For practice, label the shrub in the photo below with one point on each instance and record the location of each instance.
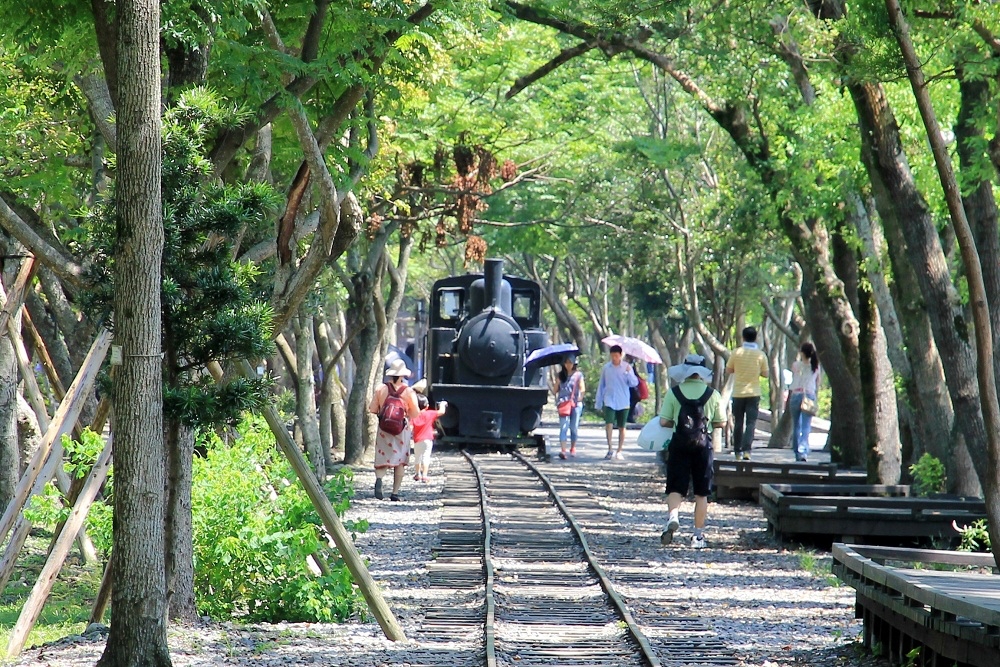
(255, 531)
(928, 476)
(975, 537)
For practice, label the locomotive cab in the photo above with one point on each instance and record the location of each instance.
(481, 329)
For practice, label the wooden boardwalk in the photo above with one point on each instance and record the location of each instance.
(864, 513)
(925, 616)
(742, 479)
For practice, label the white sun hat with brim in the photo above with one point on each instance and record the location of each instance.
(420, 386)
(397, 369)
(693, 365)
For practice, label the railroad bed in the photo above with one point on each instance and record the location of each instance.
(751, 593)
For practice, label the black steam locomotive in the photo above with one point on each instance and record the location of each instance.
(480, 330)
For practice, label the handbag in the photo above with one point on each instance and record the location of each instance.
(809, 406)
(566, 407)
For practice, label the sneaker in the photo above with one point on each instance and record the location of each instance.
(416, 478)
(395, 498)
(668, 535)
(698, 542)
(610, 455)
(619, 456)
(425, 479)
(572, 451)
(562, 455)
(746, 456)
(378, 489)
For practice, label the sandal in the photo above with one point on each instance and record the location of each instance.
(572, 451)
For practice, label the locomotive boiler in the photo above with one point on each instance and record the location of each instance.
(480, 330)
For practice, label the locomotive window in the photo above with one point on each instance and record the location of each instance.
(522, 306)
(450, 307)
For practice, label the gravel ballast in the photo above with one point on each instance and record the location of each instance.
(772, 604)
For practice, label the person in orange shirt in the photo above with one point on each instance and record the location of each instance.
(392, 450)
(423, 436)
(748, 364)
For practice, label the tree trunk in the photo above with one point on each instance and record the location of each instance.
(979, 203)
(987, 462)
(364, 348)
(305, 393)
(29, 433)
(847, 428)
(909, 223)
(877, 382)
(327, 388)
(138, 636)
(10, 455)
(177, 525)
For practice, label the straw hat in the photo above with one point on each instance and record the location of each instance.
(398, 369)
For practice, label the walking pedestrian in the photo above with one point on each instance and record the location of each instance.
(395, 404)
(423, 436)
(802, 402)
(569, 391)
(748, 364)
(693, 409)
(613, 397)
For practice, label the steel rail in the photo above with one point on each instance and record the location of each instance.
(606, 584)
(489, 631)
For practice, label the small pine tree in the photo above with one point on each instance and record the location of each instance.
(213, 307)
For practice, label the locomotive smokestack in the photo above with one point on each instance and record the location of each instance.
(493, 278)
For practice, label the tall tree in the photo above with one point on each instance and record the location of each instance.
(139, 599)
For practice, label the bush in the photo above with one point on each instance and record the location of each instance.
(255, 532)
(928, 476)
(975, 537)
(47, 509)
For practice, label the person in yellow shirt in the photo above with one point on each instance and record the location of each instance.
(747, 364)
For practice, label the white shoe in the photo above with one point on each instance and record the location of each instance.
(698, 542)
(619, 456)
(668, 535)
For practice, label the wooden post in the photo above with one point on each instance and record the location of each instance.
(43, 585)
(43, 353)
(66, 414)
(34, 395)
(373, 596)
(23, 526)
(103, 595)
(13, 304)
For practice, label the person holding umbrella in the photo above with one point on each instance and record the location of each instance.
(613, 397)
(569, 389)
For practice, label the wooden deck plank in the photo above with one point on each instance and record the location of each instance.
(954, 613)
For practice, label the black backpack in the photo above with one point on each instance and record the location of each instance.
(692, 426)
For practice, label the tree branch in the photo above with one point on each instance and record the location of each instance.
(564, 56)
(62, 266)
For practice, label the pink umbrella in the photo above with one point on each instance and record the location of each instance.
(634, 347)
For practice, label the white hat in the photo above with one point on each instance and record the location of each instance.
(420, 386)
(694, 364)
(398, 369)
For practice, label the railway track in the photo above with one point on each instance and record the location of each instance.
(517, 566)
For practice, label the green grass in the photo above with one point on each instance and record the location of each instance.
(818, 566)
(67, 609)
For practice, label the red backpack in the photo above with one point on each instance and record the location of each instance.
(392, 416)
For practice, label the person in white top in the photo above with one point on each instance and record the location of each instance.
(805, 378)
